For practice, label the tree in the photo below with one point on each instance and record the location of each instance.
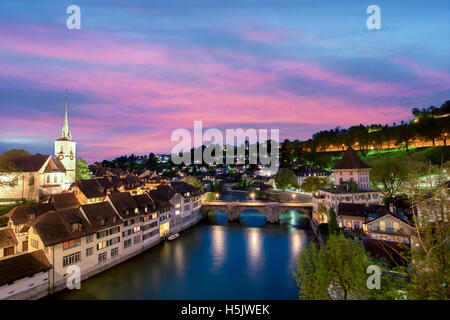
(9, 173)
(332, 223)
(311, 274)
(323, 213)
(429, 127)
(210, 196)
(193, 182)
(313, 184)
(389, 176)
(430, 256)
(404, 134)
(338, 272)
(285, 178)
(216, 186)
(152, 160)
(286, 154)
(15, 152)
(82, 170)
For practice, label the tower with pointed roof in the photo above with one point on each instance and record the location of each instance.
(65, 150)
(351, 169)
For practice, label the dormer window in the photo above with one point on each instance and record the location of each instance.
(31, 216)
(146, 209)
(101, 221)
(76, 227)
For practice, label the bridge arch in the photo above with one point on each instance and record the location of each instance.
(272, 210)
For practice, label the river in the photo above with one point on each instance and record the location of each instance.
(216, 259)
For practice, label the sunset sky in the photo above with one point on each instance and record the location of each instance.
(137, 70)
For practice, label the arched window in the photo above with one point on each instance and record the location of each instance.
(55, 179)
(48, 179)
(31, 181)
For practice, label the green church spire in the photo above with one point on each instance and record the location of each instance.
(65, 132)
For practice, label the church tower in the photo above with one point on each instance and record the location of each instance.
(65, 150)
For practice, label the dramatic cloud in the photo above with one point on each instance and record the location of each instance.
(137, 72)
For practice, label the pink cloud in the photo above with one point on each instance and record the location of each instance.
(153, 90)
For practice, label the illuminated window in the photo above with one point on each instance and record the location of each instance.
(102, 245)
(382, 225)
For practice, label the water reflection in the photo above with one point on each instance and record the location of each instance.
(296, 243)
(218, 248)
(254, 251)
(294, 220)
(252, 218)
(178, 259)
(217, 217)
(209, 261)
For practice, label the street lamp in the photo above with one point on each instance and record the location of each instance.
(293, 196)
(217, 196)
(252, 195)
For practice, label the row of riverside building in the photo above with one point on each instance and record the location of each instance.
(42, 240)
(94, 223)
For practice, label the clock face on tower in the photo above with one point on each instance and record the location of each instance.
(61, 157)
(71, 157)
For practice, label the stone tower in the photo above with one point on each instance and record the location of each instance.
(351, 169)
(65, 150)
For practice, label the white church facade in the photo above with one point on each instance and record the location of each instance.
(33, 177)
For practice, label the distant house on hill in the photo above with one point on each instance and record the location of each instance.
(311, 172)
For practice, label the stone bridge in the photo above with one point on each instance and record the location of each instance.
(272, 210)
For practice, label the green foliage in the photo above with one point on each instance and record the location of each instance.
(193, 182)
(82, 170)
(430, 256)
(313, 184)
(243, 184)
(332, 223)
(210, 196)
(216, 186)
(311, 274)
(15, 152)
(389, 176)
(9, 173)
(285, 179)
(338, 272)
